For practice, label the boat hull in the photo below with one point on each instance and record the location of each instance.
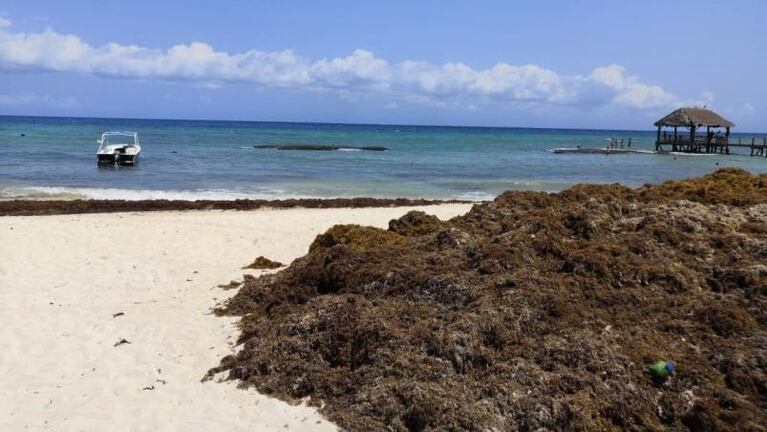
(117, 159)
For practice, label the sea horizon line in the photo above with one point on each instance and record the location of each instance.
(296, 122)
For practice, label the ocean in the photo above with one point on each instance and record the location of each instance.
(55, 158)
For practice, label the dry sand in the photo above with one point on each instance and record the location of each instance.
(62, 278)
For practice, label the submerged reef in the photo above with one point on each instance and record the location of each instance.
(531, 312)
(318, 147)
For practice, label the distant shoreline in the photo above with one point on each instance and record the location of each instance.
(61, 207)
(331, 123)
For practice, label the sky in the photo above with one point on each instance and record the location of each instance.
(570, 64)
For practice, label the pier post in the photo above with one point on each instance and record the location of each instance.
(692, 137)
(657, 140)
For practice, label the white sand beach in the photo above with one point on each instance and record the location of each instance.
(64, 278)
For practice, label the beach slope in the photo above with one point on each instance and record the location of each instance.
(107, 324)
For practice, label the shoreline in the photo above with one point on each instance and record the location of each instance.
(63, 207)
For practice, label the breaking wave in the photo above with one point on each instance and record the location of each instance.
(73, 193)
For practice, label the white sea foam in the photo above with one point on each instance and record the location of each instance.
(694, 154)
(72, 193)
(475, 196)
(488, 190)
(471, 190)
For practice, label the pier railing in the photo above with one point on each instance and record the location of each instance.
(716, 144)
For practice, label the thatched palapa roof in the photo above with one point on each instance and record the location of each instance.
(687, 117)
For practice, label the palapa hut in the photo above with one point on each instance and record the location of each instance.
(694, 119)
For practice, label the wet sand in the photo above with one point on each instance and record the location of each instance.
(74, 286)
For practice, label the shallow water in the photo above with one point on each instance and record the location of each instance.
(216, 160)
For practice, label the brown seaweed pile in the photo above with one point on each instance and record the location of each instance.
(263, 263)
(532, 312)
(51, 207)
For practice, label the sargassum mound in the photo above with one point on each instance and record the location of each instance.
(532, 312)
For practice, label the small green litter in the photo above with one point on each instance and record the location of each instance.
(660, 370)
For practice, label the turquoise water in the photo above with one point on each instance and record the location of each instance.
(215, 160)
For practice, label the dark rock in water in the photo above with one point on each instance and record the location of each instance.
(318, 147)
(533, 312)
(23, 134)
(297, 147)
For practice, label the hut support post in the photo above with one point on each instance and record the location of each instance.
(692, 137)
(675, 139)
(657, 140)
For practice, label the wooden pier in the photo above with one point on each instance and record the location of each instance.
(756, 149)
(616, 143)
(721, 145)
(716, 140)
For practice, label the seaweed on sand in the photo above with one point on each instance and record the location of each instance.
(532, 312)
(263, 263)
(26, 208)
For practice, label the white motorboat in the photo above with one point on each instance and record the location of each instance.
(118, 148)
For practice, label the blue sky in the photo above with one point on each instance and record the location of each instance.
(588, 64)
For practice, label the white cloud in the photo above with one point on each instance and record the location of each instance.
(357, 74)
(631, 92)
(361, 69)
(31, 99)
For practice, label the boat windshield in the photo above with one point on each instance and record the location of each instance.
(118, 139)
